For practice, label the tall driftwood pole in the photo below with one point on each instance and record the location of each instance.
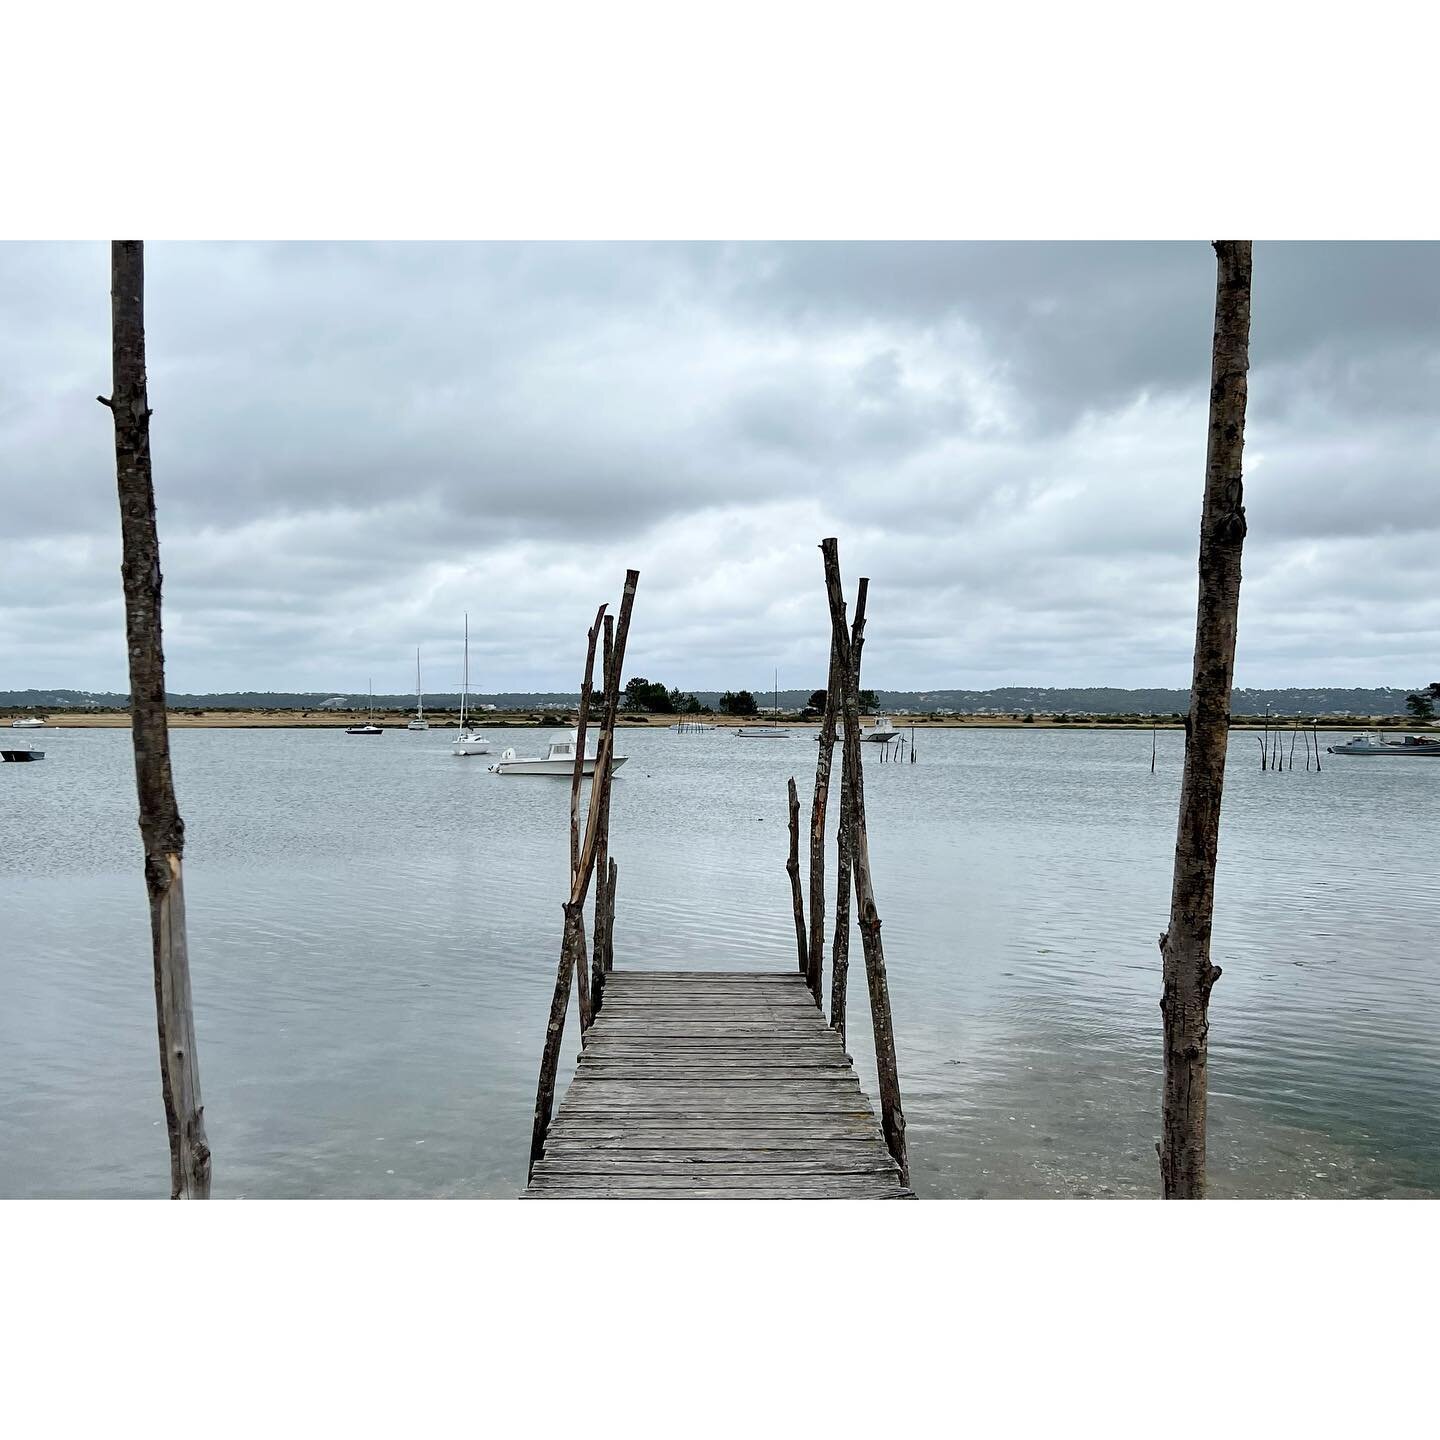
(599, 967)
(792, 868)
(161, 827)
(1185, 945)
(576, 921)
(848, 646)
(814, 967)
(572, 944)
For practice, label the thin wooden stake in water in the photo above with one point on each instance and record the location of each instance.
(1185, 945)
(572, 945)
(582, 974)
(892, 1115)
(599, 965)
(161, 827)
(815, 965)
(792, 867)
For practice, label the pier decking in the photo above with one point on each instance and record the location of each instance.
(714, 1085)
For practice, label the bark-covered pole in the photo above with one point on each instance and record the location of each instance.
(892, 1115)
(601, 943)
(161, 828)
(840, 945)
(815, 963)
(572, 945)
(587, 686)
(1185, 945)
(792, 868)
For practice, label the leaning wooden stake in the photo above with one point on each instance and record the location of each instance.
(161, 827)
(599, 966)
(572, 945)
(792, 867)
(814, 966)
(844, 881)
(892, 1115)
(1185, 945)
(582, 974)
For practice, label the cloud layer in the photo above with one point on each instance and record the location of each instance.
(354, 444)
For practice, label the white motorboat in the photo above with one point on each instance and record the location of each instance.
(369, 727)
(881, 732)
(27, 723)
(1372, 744)
(418, 722)
(469, 741)
(559, 759)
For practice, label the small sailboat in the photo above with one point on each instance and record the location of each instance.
(418, 722)
(765, 732)
(369, 727)
(469, 741)
(559, 759)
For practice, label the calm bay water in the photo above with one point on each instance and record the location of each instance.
(375, 924)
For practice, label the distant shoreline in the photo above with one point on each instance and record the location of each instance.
(552, 720)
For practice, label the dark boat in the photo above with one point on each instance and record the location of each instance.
(26, 754)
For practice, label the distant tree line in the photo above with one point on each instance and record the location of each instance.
(1421, 705)
(651, 696)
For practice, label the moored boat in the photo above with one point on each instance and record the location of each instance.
(559, 759)
(27, 722)
(24, 752)
(369, 727)
(1411, 746)
(469, 741)
(418, 720)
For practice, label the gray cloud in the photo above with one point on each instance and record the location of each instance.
(354, 443)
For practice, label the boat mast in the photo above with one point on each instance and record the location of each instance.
(465, 675)
(419, 698)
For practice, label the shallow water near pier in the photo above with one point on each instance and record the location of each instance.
(375, 925)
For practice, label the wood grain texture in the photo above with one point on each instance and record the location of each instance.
(714, 1086)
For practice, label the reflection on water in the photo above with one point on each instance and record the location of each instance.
(375, 926)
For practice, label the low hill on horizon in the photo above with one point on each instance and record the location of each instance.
(1099, 700)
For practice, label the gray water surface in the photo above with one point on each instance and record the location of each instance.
(375, 924)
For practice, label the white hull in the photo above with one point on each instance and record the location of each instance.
(418, 725)
(552, 767)
(1407, 747)
(1385, 752)
(470, 745)
(761, 732)
(27, 724)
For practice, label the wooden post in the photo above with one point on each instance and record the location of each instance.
(892, 1115)
(1185, 946)
(582, 978)
(814, 967)
(792, 867)
(161, 828)
(844, 883)
(610, 915)
(572, 945)
(1315, 729)
(599, 967)
(1154, 732)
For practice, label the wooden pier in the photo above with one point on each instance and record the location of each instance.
(697, 1085)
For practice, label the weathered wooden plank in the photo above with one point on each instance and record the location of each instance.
(718, 1085)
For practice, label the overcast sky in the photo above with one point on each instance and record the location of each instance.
(355, 444)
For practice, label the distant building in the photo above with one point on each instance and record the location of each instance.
(335, 702)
